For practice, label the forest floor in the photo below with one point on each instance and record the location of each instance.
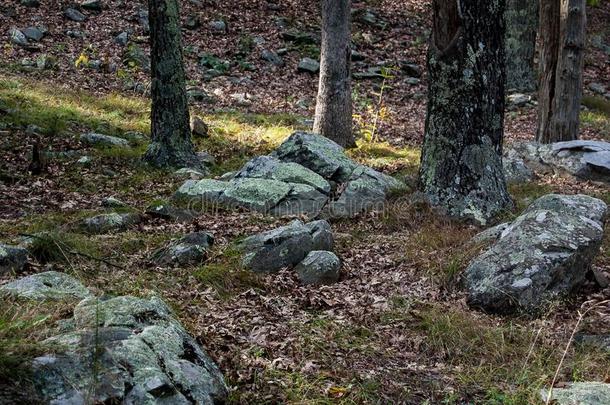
(395, 329)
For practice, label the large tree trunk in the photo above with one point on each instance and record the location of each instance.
(521, 26)
(171, 144)
(461, 164)
(562, 33)
(333, 117)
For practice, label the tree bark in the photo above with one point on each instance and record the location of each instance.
(461, 165)
(333, 117)
(171, 144)
(561, 63)
(521, 26)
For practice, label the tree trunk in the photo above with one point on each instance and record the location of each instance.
(333, 117)
(561, 62)
(521, 26)
(171, 144)
(461, 164)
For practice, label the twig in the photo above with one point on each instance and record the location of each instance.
(73, 251)
(565, 352)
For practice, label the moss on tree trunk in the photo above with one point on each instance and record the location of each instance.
(461, 165)
(171, 144)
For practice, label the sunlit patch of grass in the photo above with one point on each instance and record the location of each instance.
(502, 361)
(597, 103)
(383, 155)
(236, 137)
(524, 194)
(41, 104)
(597, 121)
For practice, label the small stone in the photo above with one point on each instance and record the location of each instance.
(18, 37)
(33, 33)
(411, 69)
(30, 3)
(518, 99)
(412, 81)
(113, 202)
(195, 94)
(199, 128)
(74, 15)
(191, 249)
(319, 267)
(357, 56)
(92, 5)
(272, 57)
(218, 26)
(192, 22)
(205, 158)
(109, 222)
(12, 258)
(45, 61)
(95, 139)
(188, 173)
(85, 161)
(122, 38)
(75, 34)
(597, 88)
(308, 65)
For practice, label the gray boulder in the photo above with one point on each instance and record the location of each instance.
(256, 194)
(169, 212)
(308, 65)
(203, 191)
(49, 285)
(286, 246)
(113, 202)
(588, 160)
(191, 249)
(74, 15)
(122, 38)
(268, 167)
(95, 139)
(319, 267)
(33, 33)
(317, 153)
(92, 5)
(189, 173)
(109, 222)
(12, 258)
(579, 393)
(272, 57)
(546, 252)
(127, 350)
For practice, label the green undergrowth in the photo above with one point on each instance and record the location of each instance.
(506, 363)
(224, 273)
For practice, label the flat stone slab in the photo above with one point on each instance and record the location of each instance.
(319, 267)
(109, 222)
(546, 252)
(50, 285)
(95, 139)
(588, 160)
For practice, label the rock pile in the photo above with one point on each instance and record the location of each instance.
(306, 246)
(546, 252)
(306, 175)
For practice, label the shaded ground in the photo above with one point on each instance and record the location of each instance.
(394, 329)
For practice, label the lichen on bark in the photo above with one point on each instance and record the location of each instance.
(461, 167)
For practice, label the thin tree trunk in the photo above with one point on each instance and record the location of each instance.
(563, 37)
(171, 144)
(521, 26)
(461, 166)
(333, 117)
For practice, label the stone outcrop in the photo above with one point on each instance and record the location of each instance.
(47, 286)
(191, 249)
(12, 258)
(588, 160)
(546, 252)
